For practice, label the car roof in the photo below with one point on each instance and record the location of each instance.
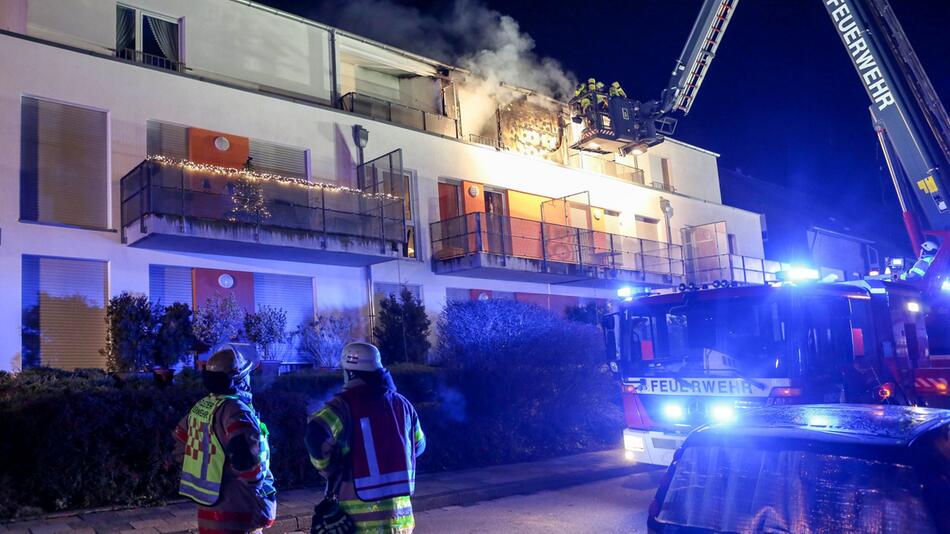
(857, 424)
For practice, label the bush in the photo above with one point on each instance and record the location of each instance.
(130, 337)
(266, 329)
(323, 339)
(534, 383)
(589, 313)
(402, 330)
(219, 320)
(174, 338)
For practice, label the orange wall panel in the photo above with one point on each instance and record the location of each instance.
(525, 205)
(473, 204)
(201, 148)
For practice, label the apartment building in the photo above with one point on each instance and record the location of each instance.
(182, 149)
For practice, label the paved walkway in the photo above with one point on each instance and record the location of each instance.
(434, 490)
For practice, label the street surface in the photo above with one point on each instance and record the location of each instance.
(614, 505)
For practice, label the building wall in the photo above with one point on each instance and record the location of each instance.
(134, 94)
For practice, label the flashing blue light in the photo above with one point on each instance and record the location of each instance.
(798, 274)
(723, 413)
(819, 420)
(673, 411)
(625, 292)
(945, 286)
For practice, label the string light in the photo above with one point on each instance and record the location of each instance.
(249, 174)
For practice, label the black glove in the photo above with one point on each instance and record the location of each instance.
(328, 518)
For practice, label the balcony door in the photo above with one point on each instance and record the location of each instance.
(496, 230)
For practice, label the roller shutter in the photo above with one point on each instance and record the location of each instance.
(278, 159)
(63, 312)
(293, 294)
(64, 175)
(166, 139)
(169, 284)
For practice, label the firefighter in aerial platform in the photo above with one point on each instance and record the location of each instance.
(928, 251)
(601, 96)
(616, 90)
(364, 442)
(226, 467)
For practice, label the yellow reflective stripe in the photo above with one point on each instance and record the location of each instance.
(419, 436)
(405, 521)
(320, 463)
(332, 421)
(360, 507)
(196, 488)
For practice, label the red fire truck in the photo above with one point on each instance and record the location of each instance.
(692, 357)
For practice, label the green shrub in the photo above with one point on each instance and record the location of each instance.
(402, 329)
(174, 339)
(130, 337)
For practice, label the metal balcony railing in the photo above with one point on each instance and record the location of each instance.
(160, 62)
(664, 187)
(506, 236)
(493, 142)
(385, 110)
(225, 200)
(624, 172)
(732, 267)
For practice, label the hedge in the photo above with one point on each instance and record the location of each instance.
(86, 439)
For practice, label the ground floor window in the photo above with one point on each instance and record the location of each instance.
(64, 304)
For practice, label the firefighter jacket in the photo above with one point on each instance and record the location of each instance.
(365, 442)
(226, 465)
(920, 268)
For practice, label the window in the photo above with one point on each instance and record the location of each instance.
(647, 228)
(63, 315)
(733, 244)
(169, 284)
(666, 173)
(294, 295)
(409, 199)
(383, 290)
(148, 38)
(64, 171)
(450, 201)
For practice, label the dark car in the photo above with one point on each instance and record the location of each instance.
(811, 469)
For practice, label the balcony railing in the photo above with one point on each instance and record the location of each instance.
(170, 199)
(731, 267)
(610, 168)
(551, 246)
(384, 110)
(664, 187)
(160, 62)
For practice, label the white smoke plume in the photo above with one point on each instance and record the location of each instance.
(469, 34)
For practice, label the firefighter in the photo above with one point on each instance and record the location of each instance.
(601, 96)
(928, 251)
(358, 442)
(226, 468)
(616, 90)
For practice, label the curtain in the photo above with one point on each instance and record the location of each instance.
(166, 34)
(124, 30)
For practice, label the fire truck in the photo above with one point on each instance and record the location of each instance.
(705, 354)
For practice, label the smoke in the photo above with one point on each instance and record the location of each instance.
(469, 34)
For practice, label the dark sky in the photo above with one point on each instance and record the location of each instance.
(782, 101)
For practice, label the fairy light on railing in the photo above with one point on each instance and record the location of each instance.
(208, 168)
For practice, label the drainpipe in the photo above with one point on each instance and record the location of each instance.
(334, 93)
(667, 210)
(371, 299)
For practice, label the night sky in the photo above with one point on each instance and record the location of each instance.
(782, 101)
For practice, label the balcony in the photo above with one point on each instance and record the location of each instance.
(152, 60)
(385, 110)
(627, 173)
(193, 209)
(731, 267)
(485, 245)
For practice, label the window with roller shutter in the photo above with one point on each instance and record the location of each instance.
(294, 295)
(64, 157)
(168, 284)
(63, 316)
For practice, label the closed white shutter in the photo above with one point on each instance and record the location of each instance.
(64, 173)
(278, 159)
(64, 312)
(293, 294)
(169, 284)
(166, 139)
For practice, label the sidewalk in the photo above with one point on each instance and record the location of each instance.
(433, 490)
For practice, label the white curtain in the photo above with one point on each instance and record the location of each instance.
(166, 34)
(124, 29)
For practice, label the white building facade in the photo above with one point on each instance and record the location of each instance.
(117, 121)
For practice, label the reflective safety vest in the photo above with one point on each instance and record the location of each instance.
(920, 268)
(382, 447)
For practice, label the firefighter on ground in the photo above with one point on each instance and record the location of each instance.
(616, 90)
(364, 442)
(928, 251)
(226, 468)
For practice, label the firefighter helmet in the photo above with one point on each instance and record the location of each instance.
(236, 360)
(361, 356)
(929, 247)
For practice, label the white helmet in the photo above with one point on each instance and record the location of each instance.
(361, 356)
(929, 246)
(236, 360)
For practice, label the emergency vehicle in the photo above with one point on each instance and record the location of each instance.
(691, 357)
